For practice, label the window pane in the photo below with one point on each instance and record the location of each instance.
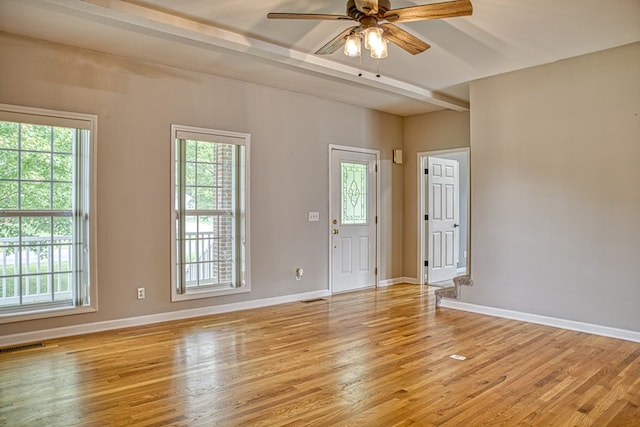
(35, 166)
(61, 257)
(8, 164)
(62, 285)
(62, 167)
(62, 196)
(63, 140)
(8, 195)
(354, 193)
(9, 135)
(206, 174)
(35, 227)
(206, 152)
(190, 197)
(35, 195)
(191, 150)
(36, 137)
(205, 198)
(62, 229)
(36, 289)
(190, 173)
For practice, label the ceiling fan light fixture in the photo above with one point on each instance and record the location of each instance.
(352, 46)
(373, 38)
(380, 51)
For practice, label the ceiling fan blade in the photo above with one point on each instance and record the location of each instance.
(447, 9)
(320, 16)
(336, 43)
(403, 39)
(368, 7)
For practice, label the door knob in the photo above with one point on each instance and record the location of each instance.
(456, 225)
(335, 231)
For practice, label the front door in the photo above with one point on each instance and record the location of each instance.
(443, 219)
(353, 220)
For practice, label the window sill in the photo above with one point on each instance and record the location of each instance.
(208, 294)
(45, 313)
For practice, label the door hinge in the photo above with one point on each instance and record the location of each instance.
(376, 271)
(376, 219)
(426, 171)
(426, 263)
(426, 217)
(376, 168)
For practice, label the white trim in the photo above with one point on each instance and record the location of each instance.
(376, 153)
(87, 328)
(555, 322)
(461, 271)
(399, 280)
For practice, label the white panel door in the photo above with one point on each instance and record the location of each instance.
(353, 220)
(443, 220)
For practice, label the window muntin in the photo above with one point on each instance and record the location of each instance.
(210, 200)
(45, 163)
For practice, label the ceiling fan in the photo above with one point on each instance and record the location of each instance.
(376, 26)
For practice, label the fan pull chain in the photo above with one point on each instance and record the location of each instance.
(378, 68)
(360, 66)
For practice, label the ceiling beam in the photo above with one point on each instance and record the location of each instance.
(162, 24)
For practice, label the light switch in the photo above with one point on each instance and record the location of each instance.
(314, 216)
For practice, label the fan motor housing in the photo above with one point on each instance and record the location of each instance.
(352, 10)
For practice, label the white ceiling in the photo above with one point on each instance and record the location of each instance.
(233, 38)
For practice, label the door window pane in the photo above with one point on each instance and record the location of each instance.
(353, 193)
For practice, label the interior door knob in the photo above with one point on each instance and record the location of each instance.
(335, 231)
(456, 225)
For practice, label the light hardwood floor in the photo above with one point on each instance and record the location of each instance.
(369, 358)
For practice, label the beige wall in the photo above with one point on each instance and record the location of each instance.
(555, 212)
(441, 130)
(136, 103)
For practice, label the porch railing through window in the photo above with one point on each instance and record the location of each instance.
(208, 259)
(35, 270)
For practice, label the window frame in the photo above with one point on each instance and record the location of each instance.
(88, 122)
(242, 178)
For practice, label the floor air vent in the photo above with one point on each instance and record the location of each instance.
(21, 348)
(312, 300)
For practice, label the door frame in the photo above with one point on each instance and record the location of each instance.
(423, 208)
(376, 153)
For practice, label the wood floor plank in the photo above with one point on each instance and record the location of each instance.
(375, 357)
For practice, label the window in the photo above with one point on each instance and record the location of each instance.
(45, 213)
(353, 193)
(210, 215)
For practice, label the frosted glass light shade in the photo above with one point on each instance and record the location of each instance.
(379, 51)
(352, 46)
(373, 38)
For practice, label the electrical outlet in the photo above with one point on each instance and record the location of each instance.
(465, 254)
(141, 293)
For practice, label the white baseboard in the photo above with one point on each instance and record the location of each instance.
(398, 280)
(47, 334)
(572, 325)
